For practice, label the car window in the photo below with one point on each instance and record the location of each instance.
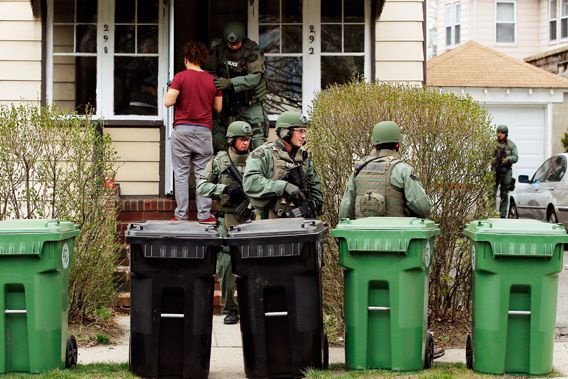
(542, 173)
(557, 169)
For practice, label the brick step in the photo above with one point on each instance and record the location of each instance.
(123, 301)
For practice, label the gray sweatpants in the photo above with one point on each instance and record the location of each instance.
(190, 143)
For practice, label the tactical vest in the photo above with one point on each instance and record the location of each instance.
(281, 163)
(222, 161)
(507, 147)
(373, 184)
(240, 58)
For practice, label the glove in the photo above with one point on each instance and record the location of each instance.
(505, 161)
(293, 191)
(222, 83)
(236, 193)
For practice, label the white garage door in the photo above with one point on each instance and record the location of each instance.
(527, 129)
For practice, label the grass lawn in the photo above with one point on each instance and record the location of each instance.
(438, 371)
(336, 371)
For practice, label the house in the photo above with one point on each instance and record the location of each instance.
(515, 93)
(117, 56)
(516, 28)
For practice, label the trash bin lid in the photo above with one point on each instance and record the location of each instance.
(522, 237)
(278, 228)
(27, 236)
(186, 230)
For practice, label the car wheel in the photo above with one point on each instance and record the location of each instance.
(513, 210)
(552, 217)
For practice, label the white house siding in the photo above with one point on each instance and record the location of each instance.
(399, 42)
(20, 60)
(466, 23)
(139, 153)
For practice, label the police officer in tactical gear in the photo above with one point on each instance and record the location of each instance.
(504, 156)
(382, 184)
(238, 64)
(280, 178)
(222, 180)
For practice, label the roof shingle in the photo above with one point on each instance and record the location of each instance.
(474, 65)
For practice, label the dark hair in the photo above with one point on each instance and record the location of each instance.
(195, 52)
(387, 146)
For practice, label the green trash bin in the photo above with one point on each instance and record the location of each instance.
(515, 267)
(386, 261)
(35, 257)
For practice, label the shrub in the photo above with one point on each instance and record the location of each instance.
(54, 166)
(448, 141)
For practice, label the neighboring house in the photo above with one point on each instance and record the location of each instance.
(118, 57)
(515, 28)
(514, 92)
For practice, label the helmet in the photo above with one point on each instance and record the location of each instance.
(290, 119)
(239, 129)
(386, 132)
(502, 128)
(234, 32)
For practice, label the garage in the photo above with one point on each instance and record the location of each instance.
(527, 129)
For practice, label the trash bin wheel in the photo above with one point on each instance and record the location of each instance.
(429, 355)
(469, 352)
(71, 353)
(325, 352)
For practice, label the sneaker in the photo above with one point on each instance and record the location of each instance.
(232, 318)
(210, 220)
(174, 219)
(439, 352)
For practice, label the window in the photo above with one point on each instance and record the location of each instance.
(105, 55)
(453, 22)
(553, 11)
(449, 25)
(564, 20)
(505, 24)
(457, 26)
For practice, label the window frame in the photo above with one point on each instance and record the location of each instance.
(105, 63)
(563, 19)
(449, 14)
(552, 21)
(514, 22)
(457, 23)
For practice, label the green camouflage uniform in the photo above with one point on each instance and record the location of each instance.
(504, 181)
(263, 183)
(386, 187)
(246, 70)
(211, 184)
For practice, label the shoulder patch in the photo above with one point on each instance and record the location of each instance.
(414, 176)
(257, 154)
(252, 58)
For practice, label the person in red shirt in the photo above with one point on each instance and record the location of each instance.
(193, 93)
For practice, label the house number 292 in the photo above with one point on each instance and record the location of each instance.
(312, 37)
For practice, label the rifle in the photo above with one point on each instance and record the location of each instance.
(501, 170)
(310, 208)
(234, 174)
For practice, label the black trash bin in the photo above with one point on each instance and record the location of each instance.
(172, 268)
(278, 268)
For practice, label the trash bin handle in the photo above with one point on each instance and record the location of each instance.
(525, 313)
(384, 309)
(15, 311)
(54, 222)
(274, 314)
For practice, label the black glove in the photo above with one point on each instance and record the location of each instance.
(236, 193)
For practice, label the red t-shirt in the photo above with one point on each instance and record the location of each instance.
(195, 100)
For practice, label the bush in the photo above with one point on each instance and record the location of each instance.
(54, 166)
(448, 141)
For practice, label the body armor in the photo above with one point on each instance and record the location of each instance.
(507, 147)
(222, 160)
(281, 164)
(375, 195)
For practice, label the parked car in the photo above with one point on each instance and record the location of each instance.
(545, 195)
